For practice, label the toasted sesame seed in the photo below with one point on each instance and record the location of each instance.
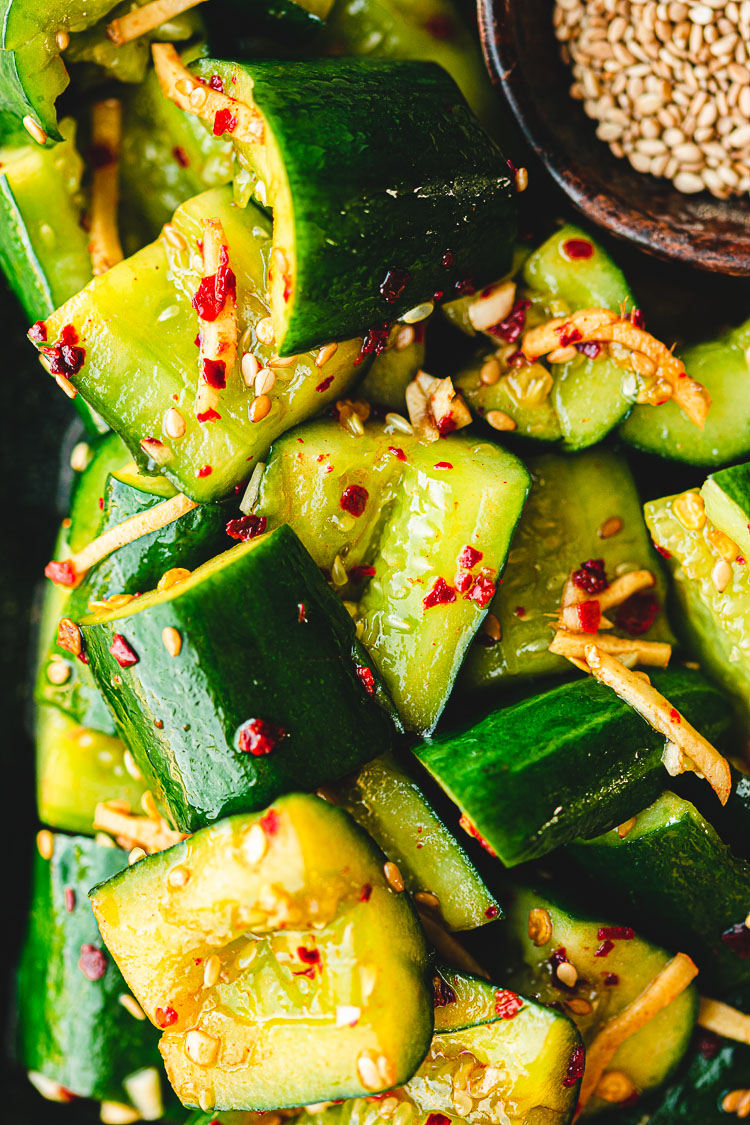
(66, 386)
(174, 237)
(80, 457)
(578, 1006)
(339, 577)
(721, 575)
(567, 974)
(521, 179)
(62, 39)
(250, 366)
(499, 420)
(278, 361)
(174, 423)
(419, 312)
(198, 97)
(45, 843)
(264, 381)
(426, 898)
(489, 372)
(34, 129)
(178, 877)
(492, 306)
(171, 640)
(259, 408)
(117, 1113)
(368, 1072)
(264, 331)
(626, 827)
(393, 876)
(404, 338)
(134, 855)
(211, 971)
(254, 844)
(58, 671)
(130, 1004)
(200, 1048)
(401, 425)
(610, 527)
(327, 352)
(539, 926)
(491, 626)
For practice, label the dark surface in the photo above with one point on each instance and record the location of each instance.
(523, 55)
(37, 419)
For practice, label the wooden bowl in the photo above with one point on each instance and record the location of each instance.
(523, 58)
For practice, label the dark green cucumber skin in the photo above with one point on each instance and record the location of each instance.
(452, 192)
(71, 1029)
(732, 820)
(711, 1069)
(245, 654)
(686, 886)
(573, 762)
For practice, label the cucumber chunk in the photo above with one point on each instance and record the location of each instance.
(675, 874)
(242, 710)
(333, 973)
(715, 621)
(73, 1028)
(427, 505)
(568, 763)
(571, 499)
(613, 965)
(361, 237)
(137, 327)
(390, 373)
(386, 801)
(726, 496)
(721, 366)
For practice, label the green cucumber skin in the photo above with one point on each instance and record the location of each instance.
(720, 365)
(570, 498)
(726, 496)
(245, 654)
(73, 1030)
(679, 878)
(385, 800)
(384, 213)
(572, 762)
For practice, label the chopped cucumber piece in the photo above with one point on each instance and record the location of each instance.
(726, 496)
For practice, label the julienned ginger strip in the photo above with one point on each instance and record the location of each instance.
(202, 100)
(140, 21)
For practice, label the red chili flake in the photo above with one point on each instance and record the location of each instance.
(442, 992)
(100, 156)
(589, 348)
(463, 581)
(181, 156)
(512, 327)
(209, 415)
(367, 679)
(308, 956)
(472, 830)
(605, 949)
(357, 574)
(63, 356)
(324, 385)
(589, 616)
(393, 284)
(224, 122)
(637, 614)
(568, 335)
(270, 822)
(213, 292)
(122, 651)
(615, 933)
(397, 452)
(507, 1004)
(520, 611)
(447, 259)
(69, 895)
(438, 295)
(469, 557)
(246, 527)
(637, 319)
(301, 613)
(740, 560)
(61, 573)
(82, 657)
(446, 425)
(437, 1119)
(674, 716)
(259, 737)
(576, 1065)
(578, 248)
(214, 373)
(465, 288)
(591, 577)
(709, 1044)
(443, 465)
(205, 471)
(165, 1017)
(365, 893)
(216, 83)
(92, 962)
(611, 980)
(354, 499)
(375, 342)
(491, 912)
(483, 591)
(38, 332)
(737, 938)
(440, 594)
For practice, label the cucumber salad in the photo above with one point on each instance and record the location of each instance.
(391, 740)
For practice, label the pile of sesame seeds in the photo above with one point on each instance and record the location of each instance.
(668, 84)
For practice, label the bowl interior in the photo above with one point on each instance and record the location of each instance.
(524, 57)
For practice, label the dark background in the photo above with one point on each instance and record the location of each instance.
(37, 430)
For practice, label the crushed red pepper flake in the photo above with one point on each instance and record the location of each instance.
(615, 933)
(374, 343)
(611, 980)
(246, 527)
(442, 992)
(469, 557)
(463, 581)
(61, 573)
(511, 329)
(308, 956)
(358, 574)
(270, 822)
(665, 554)
(125, 656)
(224, 122)
(38, 332)
(605, 949)
(366, 678)
(92, 962)
(259, 737)
(637, 614)
(507, 1004)
(165, 1017)
(181, 156)
(737, 939)
(214, 372)
(209, 415)
(674, 716)
(443, 464)
(354, 499)
(472, 830)
(393, 284)
(483, 591)
(578, 248)
(591, 576)
(301, 613)
(440, 594)
(397, 452)
(324, 385)
(205, 471)
(365, 893)
(576, 1065)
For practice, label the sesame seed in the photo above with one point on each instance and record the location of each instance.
(368, 1072)
(62, 39)
(34, 129)
(402, 426)
(347, 1015)
(185, 86)
(567, 974)
(66, 386)
(539, 926)
(393, 876)
(45, 843)
(499, 420)
(419, 312)
(264, 381)
(259, 408)
(404, 338)
(174, 237)
(489, 372)
(117, 1113)
(339, 577)
(426, 898)
(211, 971)
(171, 640)
(174, 423)
(58, 671)
(279, 361)
(610, 527)
(200, 1048)
(198, 97)
(492, 628)
(178, 877)
(134, 855)
(250, 366)
(626, 827)
(254, 844)
(327, 352)
(721, 575)
(264, 331)
(521, 179)
(130, 1004)
(80, 457)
